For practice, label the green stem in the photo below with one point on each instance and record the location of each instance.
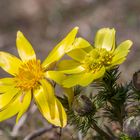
(120, 117)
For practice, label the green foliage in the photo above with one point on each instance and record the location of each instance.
(82, 123)
(82, 113)
(109, 90)
(125, 137)
(110, 99)
(112, 96)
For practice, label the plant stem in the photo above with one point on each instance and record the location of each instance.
(60, 133)
(38, 133)
(101, 132)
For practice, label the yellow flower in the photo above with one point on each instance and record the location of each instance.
(57, 76)
(29, 79)
(90, 63)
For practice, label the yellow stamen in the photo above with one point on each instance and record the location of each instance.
(29, 74)
(96, 59)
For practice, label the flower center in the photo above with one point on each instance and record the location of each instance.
(29, 74)
(96, 59)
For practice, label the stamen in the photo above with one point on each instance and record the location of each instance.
(96, 59)
(29, 75)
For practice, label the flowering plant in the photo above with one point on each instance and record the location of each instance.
(88, 79)
(30, 79)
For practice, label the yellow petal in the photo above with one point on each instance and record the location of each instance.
(73, 70)
(77, 54)
(99, 74)
(56, 76)
(6, 84)
(49, 90)
(6, 81)
(105, 38)
(25, 50)
(9, 63)
(70, 67)
(88, 49)
(51, 66)
(61, 48)
(11, 110)
(49, 105)
(117, 62)
(83, 79)
(121, 52)
(44, 105)
(67, 64)
(4, 89)
(25, 102)
(8, 97)
(79, 43)
(69, 94)
(60, 114)
(86, 79)
(123, 47)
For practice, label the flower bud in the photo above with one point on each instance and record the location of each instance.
(136, 80)
(131, 126)
(82, 105)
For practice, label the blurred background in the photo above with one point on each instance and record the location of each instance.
(45, 23)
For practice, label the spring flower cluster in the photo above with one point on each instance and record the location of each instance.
(32, 79)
